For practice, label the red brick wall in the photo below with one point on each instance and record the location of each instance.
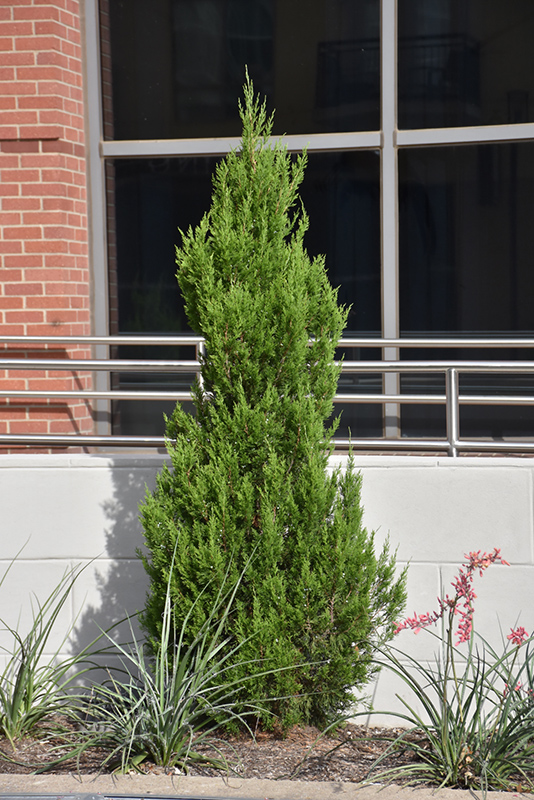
(44, 269)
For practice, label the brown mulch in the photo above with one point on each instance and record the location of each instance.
(302, 754)
(305, 754)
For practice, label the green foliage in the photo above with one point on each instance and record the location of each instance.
(249, 471)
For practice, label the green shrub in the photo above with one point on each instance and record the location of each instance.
(249, 470)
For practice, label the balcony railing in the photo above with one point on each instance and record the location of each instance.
(452, 398)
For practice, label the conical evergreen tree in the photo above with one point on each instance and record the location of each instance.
(249, 472)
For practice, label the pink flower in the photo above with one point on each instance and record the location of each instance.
(462, 603)
(465, 629)
(416, 622)
(518, 636)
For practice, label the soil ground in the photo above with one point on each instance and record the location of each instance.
(303, 754)
(302, 764)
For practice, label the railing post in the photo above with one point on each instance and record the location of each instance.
(452, 410)
(201, 351)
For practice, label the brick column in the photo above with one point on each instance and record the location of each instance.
(44, 268)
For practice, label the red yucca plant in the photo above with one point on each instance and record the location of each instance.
(466, 727)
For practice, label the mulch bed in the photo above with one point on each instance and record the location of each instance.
(302, 754)
(305, 754)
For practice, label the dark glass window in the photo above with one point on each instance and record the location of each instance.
(466, 238)
(174, 69)
(465, 62)
(466, 253)
(341, 194)
(178, 65)
(155, 197)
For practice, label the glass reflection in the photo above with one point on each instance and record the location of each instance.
(178, 65)
(465, 62)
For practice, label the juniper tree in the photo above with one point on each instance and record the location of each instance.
(249, 479)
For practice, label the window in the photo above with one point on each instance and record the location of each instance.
(418, 116)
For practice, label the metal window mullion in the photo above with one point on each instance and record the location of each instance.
(96, 209)
(219, 146)
(424, 137)
(390, 295)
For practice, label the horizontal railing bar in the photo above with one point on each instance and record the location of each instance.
(113, 394)
(83, 439)
(349, 341)
(104, 395)
(390, 398)
(456, 341)
(495, 400)
(164, 365)
(394, 444)
(420, 399)
(159, 441)
(94, 364)
(86, 440)
(436, 399)
(111, 340)
(437, 366)
(472, 445)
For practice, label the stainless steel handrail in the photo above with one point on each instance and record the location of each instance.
(100, 365)
(451, 369)
(464, 342)
(167, 340)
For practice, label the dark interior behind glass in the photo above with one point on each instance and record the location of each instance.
(466, 253)
(465, 62)
(178, 65)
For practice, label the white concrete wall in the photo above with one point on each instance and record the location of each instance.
(58, 511)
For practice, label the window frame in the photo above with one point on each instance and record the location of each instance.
(387, 141)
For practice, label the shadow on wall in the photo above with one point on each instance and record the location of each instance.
(116, 582)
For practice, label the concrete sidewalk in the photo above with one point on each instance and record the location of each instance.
(197, 788)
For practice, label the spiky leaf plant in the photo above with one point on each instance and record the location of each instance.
(162, 709)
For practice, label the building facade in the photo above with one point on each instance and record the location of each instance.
(418, 118)
(45, 282)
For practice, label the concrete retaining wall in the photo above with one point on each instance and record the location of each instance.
(59, 511)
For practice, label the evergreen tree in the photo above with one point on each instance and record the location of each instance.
(249, 472)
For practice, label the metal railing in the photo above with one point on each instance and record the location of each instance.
(452, 398)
